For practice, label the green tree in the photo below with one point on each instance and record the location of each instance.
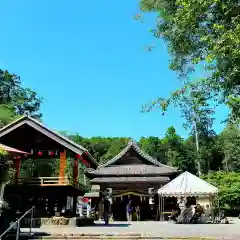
(116, 146)
(229, 187)
(230, 142)
(175, 151)
(198, 114)
(16, 100)
(154, 147)
(205, 33)
(7, 114)
(102, 149)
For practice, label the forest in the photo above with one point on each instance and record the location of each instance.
(218, 154)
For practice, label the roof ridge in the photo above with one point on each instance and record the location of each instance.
(60, 136)
(117, 156)
(13, 122)
(132, 143)
(56, 133)
(152, 159)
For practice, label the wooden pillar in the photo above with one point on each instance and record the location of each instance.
(63, 165)
(75, 170)
(17, 165)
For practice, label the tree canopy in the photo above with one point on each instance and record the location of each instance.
(16, 100)
(201, 33)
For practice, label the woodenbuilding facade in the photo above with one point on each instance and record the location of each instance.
(47, 193)
(131, 174)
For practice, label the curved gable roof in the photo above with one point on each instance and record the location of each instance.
(55, 136)
(132, 144)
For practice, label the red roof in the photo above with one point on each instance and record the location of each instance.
(11, 150)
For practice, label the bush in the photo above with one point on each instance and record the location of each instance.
(229, 188)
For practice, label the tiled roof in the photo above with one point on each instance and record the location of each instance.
(132, 169)
(133, 145)
(130, 180)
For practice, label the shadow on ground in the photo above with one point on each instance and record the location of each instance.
(110, 225)
(25, 236)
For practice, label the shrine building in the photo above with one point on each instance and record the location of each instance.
(130, 175)
(51, 188)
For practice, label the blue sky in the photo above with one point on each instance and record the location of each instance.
(88, 60)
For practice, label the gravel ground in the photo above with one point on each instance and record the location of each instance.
(160, 229)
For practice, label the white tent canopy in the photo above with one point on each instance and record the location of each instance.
(187, 184)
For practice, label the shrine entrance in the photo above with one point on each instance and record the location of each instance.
(147, 211)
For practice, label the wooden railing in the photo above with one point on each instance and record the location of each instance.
(51, 181)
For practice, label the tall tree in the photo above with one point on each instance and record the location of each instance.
(197, 112)
(198, 32)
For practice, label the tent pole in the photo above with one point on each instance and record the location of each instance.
(163, 209)
(212, 213)
(160, 204)
(159, 208)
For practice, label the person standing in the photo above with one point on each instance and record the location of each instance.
(138, 210)
(129, 210)
(106, 211)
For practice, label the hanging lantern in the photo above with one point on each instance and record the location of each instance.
(40, 153)
(51, 153)
(78, 156)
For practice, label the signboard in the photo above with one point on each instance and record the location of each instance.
(95, 188)
(69, 203)
(150, 191)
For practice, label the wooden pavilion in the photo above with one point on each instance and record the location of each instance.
(131, 174)
(50, 194)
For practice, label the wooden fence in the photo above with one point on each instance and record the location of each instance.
(50, 181)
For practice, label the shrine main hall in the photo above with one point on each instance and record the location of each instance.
(131, 175)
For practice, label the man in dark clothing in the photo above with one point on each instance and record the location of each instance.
(198, 213)
(106, 211)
